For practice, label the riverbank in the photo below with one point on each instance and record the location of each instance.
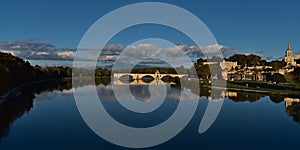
(261, 87)
(17, 90)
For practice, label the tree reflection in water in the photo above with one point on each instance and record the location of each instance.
(13, 108)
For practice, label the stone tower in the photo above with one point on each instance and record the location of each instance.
(289, 59)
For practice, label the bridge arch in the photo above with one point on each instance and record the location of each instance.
(126, 78)
(168, 76)
(147, 78)
(139, 76)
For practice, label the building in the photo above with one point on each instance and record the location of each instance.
(289, 58)
(234, 72)
(228, 65)
(225, 65)
(286, 70)
(297, 55)
(256, 73)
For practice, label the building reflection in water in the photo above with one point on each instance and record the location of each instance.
(293, 108)
(290, 101)
(14, 108)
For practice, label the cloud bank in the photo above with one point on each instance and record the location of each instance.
(47, 50)
(36, 50)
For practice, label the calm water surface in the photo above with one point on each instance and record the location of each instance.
(45, 116)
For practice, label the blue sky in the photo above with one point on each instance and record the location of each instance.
(248, 26)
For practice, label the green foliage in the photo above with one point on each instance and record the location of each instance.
(278, 78)
(13, 70)
(296, 75)
(200, 61)
(102, 72)
(289, 78)
(276, 64)
(202, 70)
(51, 72)
(263, 63)
(249, 60)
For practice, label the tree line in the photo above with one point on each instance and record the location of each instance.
(15, 71)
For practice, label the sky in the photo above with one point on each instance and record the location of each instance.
(260, 27)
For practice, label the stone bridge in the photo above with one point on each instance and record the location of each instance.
(139, 76)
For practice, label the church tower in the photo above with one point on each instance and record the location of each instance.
(289, 59)
(289, 52)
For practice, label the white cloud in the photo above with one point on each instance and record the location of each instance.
(46, 50)
(68, 54)
(42, 53)
(211, 50)
(9, 51)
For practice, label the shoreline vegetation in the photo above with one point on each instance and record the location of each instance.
(15, 73)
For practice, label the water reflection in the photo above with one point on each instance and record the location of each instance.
(293, 108)
(128, 81)
(14, 108)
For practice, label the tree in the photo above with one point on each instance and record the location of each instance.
(298, 61)
(263, 63)
(276, 64)
(200, 61)
(239, 58)
(278, 78)
(296, 75)
(253, 60)
(249, 60)
(203, 71)
(13, 71)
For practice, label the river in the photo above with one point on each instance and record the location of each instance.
(45, 116)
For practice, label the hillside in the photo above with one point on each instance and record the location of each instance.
(13, 71)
